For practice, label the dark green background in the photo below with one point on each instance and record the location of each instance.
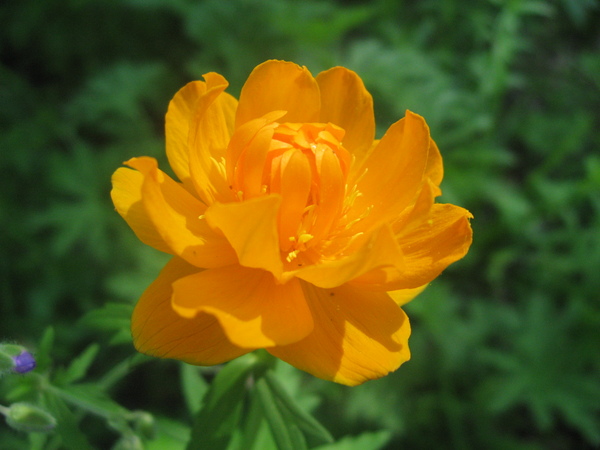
(505, 343)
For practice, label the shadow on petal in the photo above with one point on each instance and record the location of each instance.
(159, 331)
(358, 336)
(253, 310)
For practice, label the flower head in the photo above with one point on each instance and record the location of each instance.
(25, 362)
(291, 228)
(15, 358)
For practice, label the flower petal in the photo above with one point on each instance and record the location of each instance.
(295, 184)
(199, 117)
(249, 137)
(403, 296)
(435, 168)
(394, 172)
(346, 103)
(177, 125)
(279, 85)
(177, 216)
(358, 336)
(252, 308)
(159, 331)
(210, 130)
(428, 249)
(251, 228)
(126, 195)
(380, 249)
(414, 215)
(331, 194)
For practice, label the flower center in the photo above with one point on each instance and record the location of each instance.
(307, 165)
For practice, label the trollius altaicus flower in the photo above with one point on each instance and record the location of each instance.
(291, 228)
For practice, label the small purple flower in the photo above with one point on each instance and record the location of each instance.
(25, 362)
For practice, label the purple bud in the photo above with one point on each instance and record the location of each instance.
(24, 362)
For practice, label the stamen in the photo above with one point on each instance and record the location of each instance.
(367, 211)
(304, 238)
(292, 255)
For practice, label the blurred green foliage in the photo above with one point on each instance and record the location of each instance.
(505, 343)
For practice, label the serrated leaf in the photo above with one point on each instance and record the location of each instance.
(111, 316)
(365, 441)
(42, 356)
(80, 365)
(66, 424)
(194, 387)
(37, 441)
(171, 435)
(121, 337)
(18, 392)
(305, 422)
(286, 433)
(220, 415)
(254, 425)
(89, 397)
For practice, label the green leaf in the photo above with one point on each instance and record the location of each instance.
(305, 422)
(121, 337)
(113, 317)
(110, 317)
(286, 433)
(171, 435)
(88, 397)
(220, 415)
(19, 391)
(194, 387)
(80, 365)
(37, 441)
(254, 425)
(42, 355)
(364, 441)
(66, 427)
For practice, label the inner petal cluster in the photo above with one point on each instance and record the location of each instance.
(307, 165)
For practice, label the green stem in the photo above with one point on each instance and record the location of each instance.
(92, 408)
(82, 404)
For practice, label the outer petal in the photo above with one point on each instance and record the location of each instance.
(413, 216)
(251, 228)
(177, 217)
(159, 331)
(200, 117)
(210, 130)
(380, 249)
(435, 168)
(177, 125)
(403, 296)
(358, 336)
(394, 172)
(279, 85)
(252, 308)
(126, 195)
(428, 250)
(346, 103)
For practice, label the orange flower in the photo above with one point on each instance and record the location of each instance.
(291, 228)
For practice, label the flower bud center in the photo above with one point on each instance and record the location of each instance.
(308, 166)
